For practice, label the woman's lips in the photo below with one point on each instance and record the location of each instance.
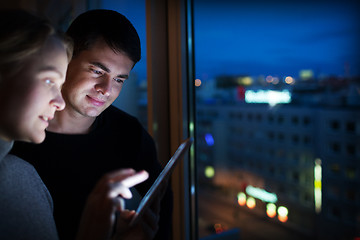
(45, 119)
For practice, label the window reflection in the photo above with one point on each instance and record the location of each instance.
(278, 111)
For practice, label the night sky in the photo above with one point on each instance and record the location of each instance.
(276, 37)
(260, 37)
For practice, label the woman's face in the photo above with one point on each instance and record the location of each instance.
(30, 98)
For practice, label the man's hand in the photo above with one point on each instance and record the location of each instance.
(146, 227)
(99, 214)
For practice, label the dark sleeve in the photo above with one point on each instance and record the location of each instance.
(165, 222)
(149, 155)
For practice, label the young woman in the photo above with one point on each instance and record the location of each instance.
(33, 64)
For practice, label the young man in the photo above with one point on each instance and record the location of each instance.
(90, 136)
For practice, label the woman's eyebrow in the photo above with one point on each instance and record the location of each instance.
(51, 69)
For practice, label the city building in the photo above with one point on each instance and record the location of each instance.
(302, 154)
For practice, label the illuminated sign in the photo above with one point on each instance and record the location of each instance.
(317, 185)
(267, 96)
(261, 194)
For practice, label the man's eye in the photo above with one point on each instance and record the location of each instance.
(96, 71)
(119, 80)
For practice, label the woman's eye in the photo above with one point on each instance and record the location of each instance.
(48, 81)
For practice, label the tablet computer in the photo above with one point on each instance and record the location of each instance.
(163, 176)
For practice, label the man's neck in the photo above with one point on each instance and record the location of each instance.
(67, 123)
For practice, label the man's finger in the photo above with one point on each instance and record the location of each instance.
(117, 188)
(122, 187)
(135, 179)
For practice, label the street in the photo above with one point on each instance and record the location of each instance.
(220, 211)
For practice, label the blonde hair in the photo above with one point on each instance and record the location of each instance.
(22, 35)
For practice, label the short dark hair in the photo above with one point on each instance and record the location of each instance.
(113, 27)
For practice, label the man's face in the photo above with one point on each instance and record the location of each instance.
(94, 79)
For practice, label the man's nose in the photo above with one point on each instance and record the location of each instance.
(104, 86)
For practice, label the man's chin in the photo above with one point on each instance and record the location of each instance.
(94, 112)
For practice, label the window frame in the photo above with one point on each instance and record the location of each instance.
(171, 106)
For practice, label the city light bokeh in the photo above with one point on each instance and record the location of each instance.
(280, 98)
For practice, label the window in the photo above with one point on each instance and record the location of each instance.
(350, 195)
(350, 127)
(350, 149)
(335, 213)
(306, 120)
(335, 125)
(253, 38)
(285, 73)
(351, 173)
(295, 120)
(335, 168)
(335, 147)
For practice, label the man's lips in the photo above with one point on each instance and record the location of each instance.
(95, 101)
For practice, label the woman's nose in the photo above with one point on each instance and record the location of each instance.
(58, 102)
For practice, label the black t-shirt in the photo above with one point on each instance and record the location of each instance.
(71, 164)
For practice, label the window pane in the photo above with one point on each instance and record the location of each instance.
(133, 97)
(278, 116)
